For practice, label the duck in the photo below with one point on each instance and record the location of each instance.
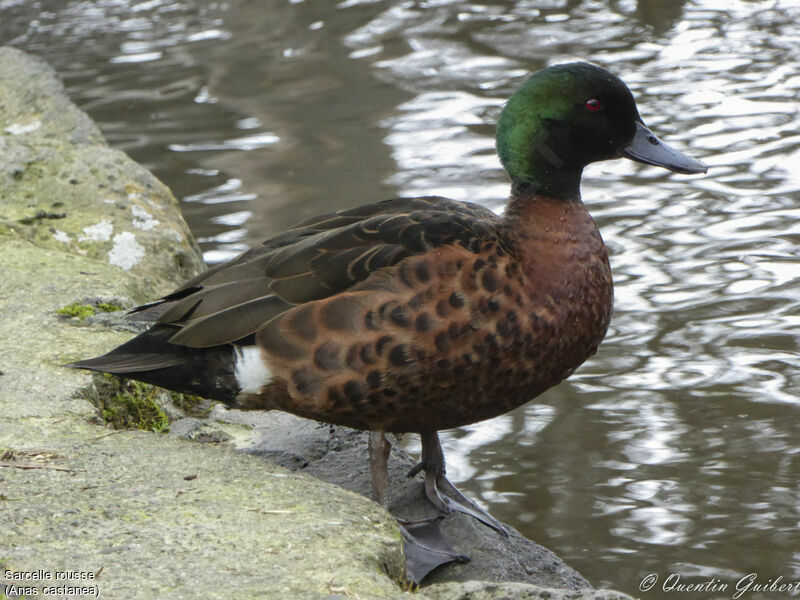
(423, 314)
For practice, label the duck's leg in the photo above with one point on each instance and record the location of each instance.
(443, 494)
(379, 449)
(424, 545)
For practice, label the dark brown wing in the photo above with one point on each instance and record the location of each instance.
(315, 259)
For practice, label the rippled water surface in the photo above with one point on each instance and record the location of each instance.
(677, 448)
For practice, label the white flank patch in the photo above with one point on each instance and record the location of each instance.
(250, 371)
(126, 251)
(97, 233)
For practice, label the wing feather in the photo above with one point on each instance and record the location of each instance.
(230, 324)
(315, 259)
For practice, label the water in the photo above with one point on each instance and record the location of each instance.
(676, 450)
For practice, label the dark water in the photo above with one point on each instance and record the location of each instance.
(676, 450)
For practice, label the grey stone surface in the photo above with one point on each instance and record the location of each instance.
(479, 590)
(62, 188)
(158, 516)
(339, 455)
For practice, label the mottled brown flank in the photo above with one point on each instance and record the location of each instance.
(451, 336)
(423, 322)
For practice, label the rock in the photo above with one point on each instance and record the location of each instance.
(63, 188)
(135, 514)
(190, 428)
(478, 590)
(339, 455)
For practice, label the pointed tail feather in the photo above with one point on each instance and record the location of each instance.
(150, 357)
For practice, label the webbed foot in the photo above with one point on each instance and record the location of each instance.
(426, 548)
(444, 495)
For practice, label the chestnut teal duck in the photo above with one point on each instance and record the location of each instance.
(417, 314)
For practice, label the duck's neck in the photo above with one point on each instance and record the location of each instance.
(527, 206)
(557, 184)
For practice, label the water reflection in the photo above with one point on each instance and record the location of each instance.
(678, 445)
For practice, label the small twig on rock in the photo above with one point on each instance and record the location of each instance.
(340, 589)
(105, 435)
(16, 465)
(265, 511)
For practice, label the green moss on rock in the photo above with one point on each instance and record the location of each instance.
(109, 307)
(81, 311)
(127, 404)
(75, 310)
(193, 406)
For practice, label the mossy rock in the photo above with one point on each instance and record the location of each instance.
(128, 404)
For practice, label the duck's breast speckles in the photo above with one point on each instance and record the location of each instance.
(375, 337)
(327, 356)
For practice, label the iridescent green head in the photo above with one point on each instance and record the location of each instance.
(567, 116)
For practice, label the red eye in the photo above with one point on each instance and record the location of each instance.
(594, 105)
